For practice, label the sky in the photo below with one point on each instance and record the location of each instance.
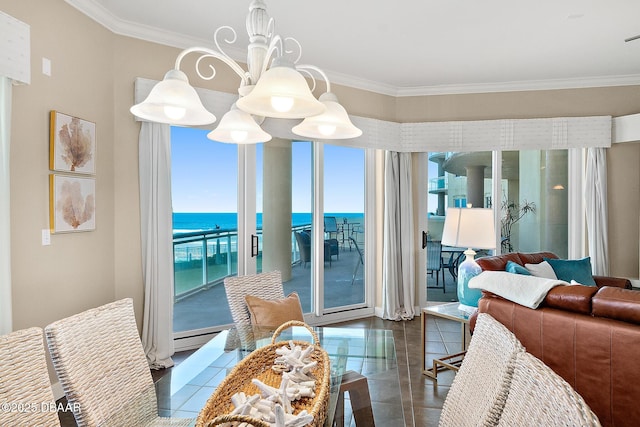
(204, 175)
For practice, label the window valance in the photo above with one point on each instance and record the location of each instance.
(479, 135)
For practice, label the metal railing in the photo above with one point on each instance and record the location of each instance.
(438, 184)
(202, 259)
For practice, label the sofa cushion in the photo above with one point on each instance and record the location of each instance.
(273, 313)
(573, 269)
(541, 269)
(617, 303)
(516, 268)
(534, 257)
(571, 298)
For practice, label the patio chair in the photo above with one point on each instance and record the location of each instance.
(103, 370)
(479, 390)
(434, 263)
(304, 247)
(331, 231)
(24, 381)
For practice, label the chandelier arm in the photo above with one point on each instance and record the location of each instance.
(275, 46)
(308, 67)
(311, 76)
(206, 53)
(297, 43)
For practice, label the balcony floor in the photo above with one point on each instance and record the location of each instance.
(210, 307)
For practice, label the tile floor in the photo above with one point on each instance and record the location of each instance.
(422, 397)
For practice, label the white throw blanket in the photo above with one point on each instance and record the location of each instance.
(524, 290)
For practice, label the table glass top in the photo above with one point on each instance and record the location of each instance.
(452, 310)
(184, 391)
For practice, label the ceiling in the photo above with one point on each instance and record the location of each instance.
(415, 47)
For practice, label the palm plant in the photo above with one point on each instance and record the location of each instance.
(512, 212)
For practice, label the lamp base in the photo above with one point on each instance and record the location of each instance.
(467, 270)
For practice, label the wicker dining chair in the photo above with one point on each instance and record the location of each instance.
(102, 368)
(480, 388)
(26, 398)
(267, 286)
(540, 397)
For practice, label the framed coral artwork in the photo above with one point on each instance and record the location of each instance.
(72, 203)
(72, 144)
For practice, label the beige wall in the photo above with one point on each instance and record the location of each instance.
(93, 73)
(77, 271)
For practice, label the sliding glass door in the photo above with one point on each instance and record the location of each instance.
(530, 194)
(245, 209)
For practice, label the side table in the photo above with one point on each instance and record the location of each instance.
(449, 311)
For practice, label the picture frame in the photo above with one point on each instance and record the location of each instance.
(72, 144)
(71, 203)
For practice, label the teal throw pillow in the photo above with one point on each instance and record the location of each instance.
(514, 267)
(573, 269)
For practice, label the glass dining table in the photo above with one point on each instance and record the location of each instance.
(363, 352)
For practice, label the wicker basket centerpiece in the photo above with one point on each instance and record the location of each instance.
(241, 385)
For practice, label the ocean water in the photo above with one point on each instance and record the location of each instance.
(191, 221)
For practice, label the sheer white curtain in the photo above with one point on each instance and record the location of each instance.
(5, 225)
(398, 262)
(595, 196)
(157, 243)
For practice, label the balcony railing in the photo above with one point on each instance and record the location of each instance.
(202, 259)
(438, 184)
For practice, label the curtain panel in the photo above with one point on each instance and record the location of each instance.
(398, 287)
(156, 230)
(595, 197)
(5, 208)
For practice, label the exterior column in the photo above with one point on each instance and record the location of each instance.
(276, 207)
(475, 186)
(556, 208)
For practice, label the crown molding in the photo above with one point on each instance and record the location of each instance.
(122, 27)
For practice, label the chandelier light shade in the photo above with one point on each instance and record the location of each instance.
(281, 93)
(272, 86)
(334, 123)
(472, 228)
(175, 102)
(238, 127)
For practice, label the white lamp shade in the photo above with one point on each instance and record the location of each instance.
(469, 228)
(283, 93)
(334, 123)
(175, 102)
(238, 127)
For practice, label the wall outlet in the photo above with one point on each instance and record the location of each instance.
(46, 237)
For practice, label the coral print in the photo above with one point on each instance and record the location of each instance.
(72, 203)
(76, 143)
(76, 209)
(72, 144)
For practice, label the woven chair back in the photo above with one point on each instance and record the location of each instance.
(25, 390)
(540, 397)
(101, 364)
(480, 388)
(267, 286)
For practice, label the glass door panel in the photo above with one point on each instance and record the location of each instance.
(205, 228)
(455, 179)
(284, 197)
(344, 203)
(534, 204)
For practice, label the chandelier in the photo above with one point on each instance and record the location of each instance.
(272, 86)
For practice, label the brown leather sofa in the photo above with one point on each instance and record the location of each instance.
(588, 335)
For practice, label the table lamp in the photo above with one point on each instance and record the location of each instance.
(473, 228)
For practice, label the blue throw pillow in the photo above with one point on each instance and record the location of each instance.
(573, 269)
(514, 267)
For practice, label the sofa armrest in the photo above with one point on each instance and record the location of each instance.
(616, 282)
(618, 304)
